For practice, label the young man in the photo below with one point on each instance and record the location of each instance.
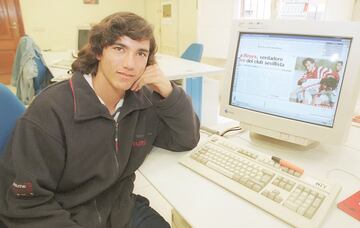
(72, 157)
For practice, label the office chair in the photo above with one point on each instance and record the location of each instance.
(193, 52)
(11, 109)
(194, 85)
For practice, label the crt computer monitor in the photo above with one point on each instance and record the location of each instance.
(82, 36)
(296, 81)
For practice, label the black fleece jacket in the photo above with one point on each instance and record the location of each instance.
(69, 164)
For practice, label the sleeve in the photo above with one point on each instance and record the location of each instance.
(179, 125)
(33, 165)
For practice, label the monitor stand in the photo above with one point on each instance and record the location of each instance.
(281, 136)
(260, 139)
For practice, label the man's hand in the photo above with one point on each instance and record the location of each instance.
(155, 78)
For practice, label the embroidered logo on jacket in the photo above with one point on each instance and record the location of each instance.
(139, 143)
(22, 189)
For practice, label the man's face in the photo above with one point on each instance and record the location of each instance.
(309, 66)
(122, 63)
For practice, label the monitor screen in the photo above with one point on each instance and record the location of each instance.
(293, 80)
(83, 36)
(297, 77)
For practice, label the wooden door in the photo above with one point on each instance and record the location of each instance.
(11, 29)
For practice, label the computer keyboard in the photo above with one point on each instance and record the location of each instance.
(296, 198)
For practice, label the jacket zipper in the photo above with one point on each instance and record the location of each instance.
(98, 212)
(116, 144)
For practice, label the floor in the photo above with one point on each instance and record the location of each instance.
(144, 188)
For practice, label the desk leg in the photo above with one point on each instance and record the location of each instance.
(194, 90)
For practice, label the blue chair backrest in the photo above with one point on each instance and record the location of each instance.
(11, 109)
(193, 52)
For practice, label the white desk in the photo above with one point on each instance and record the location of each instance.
(173, 67)
(51, 57)
(206, 205)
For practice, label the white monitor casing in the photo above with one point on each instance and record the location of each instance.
(294, 131)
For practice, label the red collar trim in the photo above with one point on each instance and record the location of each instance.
(73, 93)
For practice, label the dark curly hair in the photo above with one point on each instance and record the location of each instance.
(106, 33)
(330, 83)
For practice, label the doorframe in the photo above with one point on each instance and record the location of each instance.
(15, 24)
(19, 19)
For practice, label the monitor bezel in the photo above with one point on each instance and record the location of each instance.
(78, 29)
(350, 85)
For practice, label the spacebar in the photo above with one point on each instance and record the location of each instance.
(220, 169)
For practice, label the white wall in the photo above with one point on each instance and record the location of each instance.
(53, 23)
(356, 17)
(173, 35)
(215, 17)
(187, 24)
(356, 11)
(153, 16)
(339, 10)
(214, 26)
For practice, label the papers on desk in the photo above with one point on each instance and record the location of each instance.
(63, 63)
(61, 77)
(60, 69)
